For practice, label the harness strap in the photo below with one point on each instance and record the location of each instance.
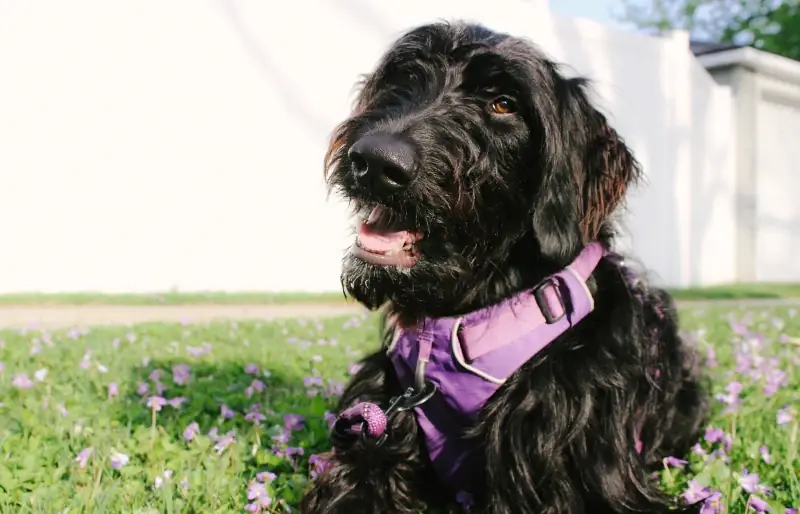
(556, 304)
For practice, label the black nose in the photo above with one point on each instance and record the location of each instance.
(388, 161)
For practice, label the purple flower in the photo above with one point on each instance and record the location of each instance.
(258, 496)
(255, 417)
(775, 380)
(176, 402)
(329, 418)
(198, 352)
(675, 462)
(712, 504)
(225, 441)
(113, 390)
(697, 449)
(312, 381)
(86, 360)
(764, 451)
(256, 387)
(191, 431)
(282, 438)
(181, 374)
(266, 477)
(2, 367)
(256, 490)
(714, 435)
(750, 482)
(294, 450)
(784, 416)
(156, 403)
(758, 504)
(293, 421)
(83, 456)
(22, 381)
(119, 460)
(318, 465)
(790, 510)
(142, 388)
(731, 396)
(335, 388)
(155, 375)
(163, 478)
(711, 357)
(226, 412)
(252, 369)
(695, 492)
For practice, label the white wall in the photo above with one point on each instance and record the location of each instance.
(149, 145)
(777, 247)
(766, 91)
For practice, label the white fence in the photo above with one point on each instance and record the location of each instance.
(153, 145)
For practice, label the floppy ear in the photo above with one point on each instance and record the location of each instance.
(610, 168)
(586, 170)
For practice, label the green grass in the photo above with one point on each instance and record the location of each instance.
(44, 427)
(740, 292)
(730, 292)
(170, 298)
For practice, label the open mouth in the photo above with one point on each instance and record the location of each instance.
(383, 243)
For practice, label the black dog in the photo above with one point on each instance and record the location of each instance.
(479, 171)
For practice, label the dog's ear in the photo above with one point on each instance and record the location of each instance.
(586, 170)
(609, 169)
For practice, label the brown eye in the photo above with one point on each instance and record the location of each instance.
(503, 105)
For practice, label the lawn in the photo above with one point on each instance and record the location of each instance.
(224, 417)
(721, 292)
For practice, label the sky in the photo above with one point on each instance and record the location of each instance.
(598, 10)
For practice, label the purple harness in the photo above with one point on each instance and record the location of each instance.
(468, 358)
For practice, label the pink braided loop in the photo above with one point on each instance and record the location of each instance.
(365, 415)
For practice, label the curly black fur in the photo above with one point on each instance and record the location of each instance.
(502, 200)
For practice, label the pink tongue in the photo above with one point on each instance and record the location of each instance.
(376, 241)
(381, 241)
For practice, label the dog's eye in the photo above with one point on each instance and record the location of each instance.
(503, 105)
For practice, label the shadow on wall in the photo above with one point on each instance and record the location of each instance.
(316, 124)
(650, 217)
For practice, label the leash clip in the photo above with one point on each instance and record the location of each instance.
(410, 399)
(371, 422)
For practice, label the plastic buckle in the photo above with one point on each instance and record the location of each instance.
(541, 300)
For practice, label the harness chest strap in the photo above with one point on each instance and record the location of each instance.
(489, 344)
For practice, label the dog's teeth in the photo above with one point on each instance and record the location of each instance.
(374, 215)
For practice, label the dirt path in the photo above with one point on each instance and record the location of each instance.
(55, 316)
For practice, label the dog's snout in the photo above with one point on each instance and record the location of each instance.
(388, 161)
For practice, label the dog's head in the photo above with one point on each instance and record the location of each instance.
(474, 168)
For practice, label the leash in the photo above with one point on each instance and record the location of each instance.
(368, 420)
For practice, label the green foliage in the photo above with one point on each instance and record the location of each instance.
(770, 25)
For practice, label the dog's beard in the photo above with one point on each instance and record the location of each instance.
(369, 284)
